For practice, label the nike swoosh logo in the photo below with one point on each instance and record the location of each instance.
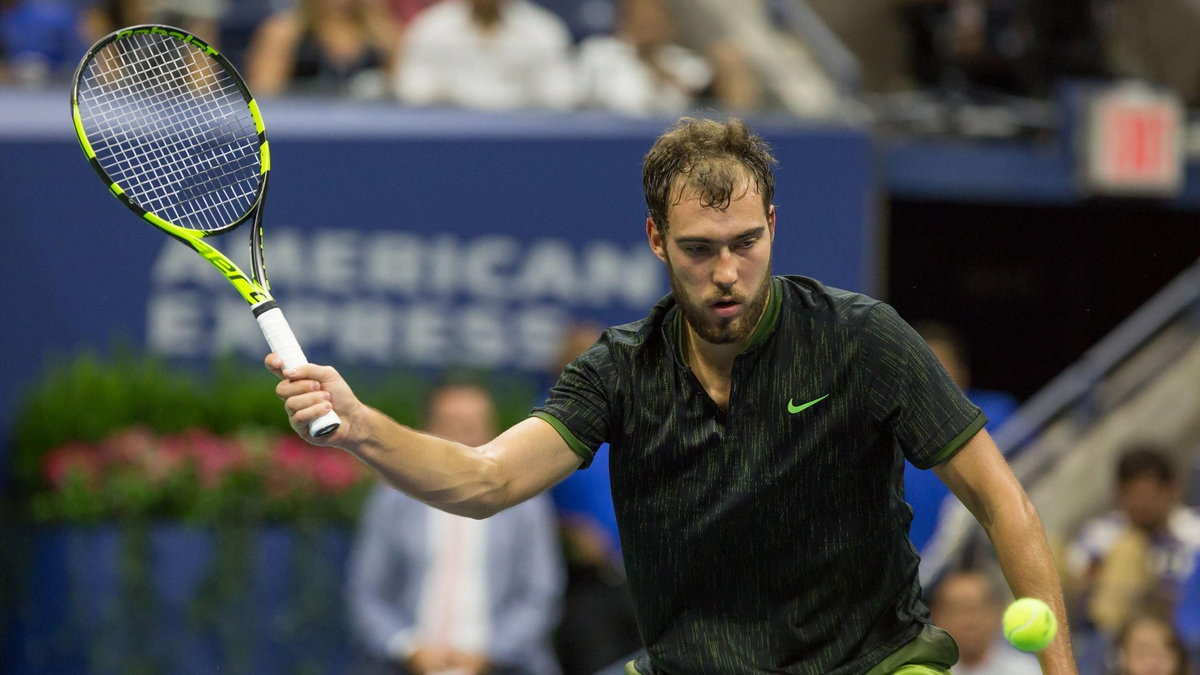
(793, 408)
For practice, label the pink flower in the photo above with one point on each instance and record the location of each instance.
(82, 458)
(335, 470)
(213, 456)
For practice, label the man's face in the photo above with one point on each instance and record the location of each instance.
(719, 263)
(1147, 650)
(1148, 501)
(462, 414)
(964, 607)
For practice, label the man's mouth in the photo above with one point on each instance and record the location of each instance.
(726, 307)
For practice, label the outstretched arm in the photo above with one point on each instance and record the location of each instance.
(474, 482)
(981, 478)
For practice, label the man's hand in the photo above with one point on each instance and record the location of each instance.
(310, 391)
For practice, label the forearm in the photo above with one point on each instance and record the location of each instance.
(1025, 558)
(450, 476)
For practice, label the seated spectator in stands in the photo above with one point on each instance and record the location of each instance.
(486, 55)
(969, 605)
(639, 69)
(101, 18)
(432, 592)
(342, 47)
(41, 40)
(923, 490)
(736, 85)
(1148, 644)
(200, 17)
(1141, 553)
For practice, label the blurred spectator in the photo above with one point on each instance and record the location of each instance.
(323, 46)
(432, 592)
(1066, 42)
(1142, 552)
(988, 45)
(598, 626)
(486, 54)
(969, 605)
(639, 69)
(966, 47)
(1148, 644)
(100, 18)
(200, 17)
(41, 39)
(736, 86)
(922, 489)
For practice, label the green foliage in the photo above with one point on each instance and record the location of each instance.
(132, 436)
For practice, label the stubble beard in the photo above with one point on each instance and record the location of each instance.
(723, 331)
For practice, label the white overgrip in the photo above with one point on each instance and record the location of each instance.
(283, 342)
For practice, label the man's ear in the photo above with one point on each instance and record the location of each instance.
(771, 221)
(658, 244)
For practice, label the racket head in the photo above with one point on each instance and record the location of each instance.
(169, 125)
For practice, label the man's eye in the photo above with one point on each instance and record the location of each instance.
(748, 243)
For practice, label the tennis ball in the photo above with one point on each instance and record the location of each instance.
(1029, 624)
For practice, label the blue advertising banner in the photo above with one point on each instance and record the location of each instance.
(393, 238)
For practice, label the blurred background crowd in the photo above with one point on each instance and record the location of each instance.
(817, 58)
(1103, 426)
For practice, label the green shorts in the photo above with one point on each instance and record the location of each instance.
(932, 652)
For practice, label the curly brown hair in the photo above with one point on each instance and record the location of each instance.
(710, 158)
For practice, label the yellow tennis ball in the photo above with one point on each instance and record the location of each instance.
(1029, 624)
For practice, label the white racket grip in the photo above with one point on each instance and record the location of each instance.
(283, 342)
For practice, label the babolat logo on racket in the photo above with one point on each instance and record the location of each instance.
(247, 288)
(186, 37)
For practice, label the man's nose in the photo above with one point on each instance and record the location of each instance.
(725, 273)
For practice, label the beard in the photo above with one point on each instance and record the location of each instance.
(720, 331)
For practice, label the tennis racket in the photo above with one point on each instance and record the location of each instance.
(172, 130)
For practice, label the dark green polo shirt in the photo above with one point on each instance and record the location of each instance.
(772, 537)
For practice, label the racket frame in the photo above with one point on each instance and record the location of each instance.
(254, 288)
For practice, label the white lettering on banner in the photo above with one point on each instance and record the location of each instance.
(549, 271)
(393, 263)
(494, 300)
(335, 265)
(484, 264)
(173, 319)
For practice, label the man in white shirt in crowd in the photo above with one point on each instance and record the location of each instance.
(486, 55)
(434, 593)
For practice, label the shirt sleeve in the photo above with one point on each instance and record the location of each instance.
(910, 393)
(578, 405)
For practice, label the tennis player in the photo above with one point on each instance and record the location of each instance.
(758, 426)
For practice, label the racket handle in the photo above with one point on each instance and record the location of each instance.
(283, 342)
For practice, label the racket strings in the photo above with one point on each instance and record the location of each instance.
(171, 126)
(167, 170)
